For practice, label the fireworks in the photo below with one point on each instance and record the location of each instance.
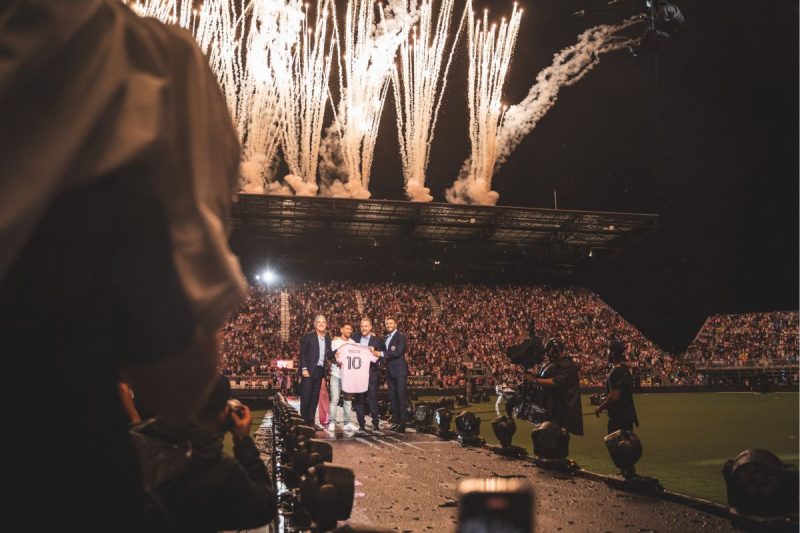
(490, 52)
(418, 87)
(368, 50)
(305, 95)
(273, 62)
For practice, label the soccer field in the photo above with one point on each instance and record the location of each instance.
(686, 437)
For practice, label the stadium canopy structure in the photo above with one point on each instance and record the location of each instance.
(386, 238)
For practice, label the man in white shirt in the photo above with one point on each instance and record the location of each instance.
(336, 383)
(355, 360)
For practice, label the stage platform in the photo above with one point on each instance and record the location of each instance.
(408, 482)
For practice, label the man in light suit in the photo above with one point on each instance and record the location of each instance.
(393, 352)
(315, 346)
(367, 338)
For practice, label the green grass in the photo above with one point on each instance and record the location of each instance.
(686, 437)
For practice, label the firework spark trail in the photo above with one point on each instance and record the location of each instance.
(418, 88)
(219, 30)
(178, 12)
(568, 67)
(273, 30)
(370, 45)
(305, 96)
(490, 52)
(243, 40)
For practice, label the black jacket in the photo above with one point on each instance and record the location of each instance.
(309, 350)
(376, 343)
(563, 402)
(218, 492)
(395, 355)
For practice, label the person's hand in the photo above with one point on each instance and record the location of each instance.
(306, 374)
(241, 424)
(597, 412)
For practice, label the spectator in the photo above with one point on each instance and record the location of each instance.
(218, 492)
(120, 161)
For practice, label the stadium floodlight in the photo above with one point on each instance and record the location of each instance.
(423, 418)
(504, 429)
(269, 276)
(327, 492)
(444, 418)
(308, 453)
(551, 444)
(468, 427)
(759, 483)
(668, 17)
(625, 450)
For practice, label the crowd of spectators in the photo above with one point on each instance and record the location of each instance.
(749, 340)
(251, 337)
(454, 331)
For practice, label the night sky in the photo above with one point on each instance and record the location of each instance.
(705, 134)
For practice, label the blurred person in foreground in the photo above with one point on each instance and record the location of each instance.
(119, 165)
(214, 491)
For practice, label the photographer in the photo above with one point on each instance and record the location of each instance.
(560, 384)
(213, 491)
(619, 392)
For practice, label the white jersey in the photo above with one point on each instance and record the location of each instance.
(354, 360)
(337, 343)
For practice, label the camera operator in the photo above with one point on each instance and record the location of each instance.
(561, 387)
(214, 491)
(619, 392)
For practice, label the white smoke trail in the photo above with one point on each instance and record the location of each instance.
(368, 51)
(490, 52)
(419, 84)
(305, 96)
(569, 66)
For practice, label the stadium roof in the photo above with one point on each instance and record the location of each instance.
(413, 236)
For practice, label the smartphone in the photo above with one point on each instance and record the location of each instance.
(495, 505)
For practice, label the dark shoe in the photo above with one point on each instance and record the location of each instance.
(393, 427)
(400, 429)
(376, 427)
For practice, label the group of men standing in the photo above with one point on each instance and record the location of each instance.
(318, 350)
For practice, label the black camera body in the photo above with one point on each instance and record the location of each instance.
(235, 406)
(530, 403)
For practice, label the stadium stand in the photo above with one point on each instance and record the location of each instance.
(451, 328)
(754, 339)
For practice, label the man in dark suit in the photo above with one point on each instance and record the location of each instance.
(366, 338)
(315, 346)
(394, 354)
